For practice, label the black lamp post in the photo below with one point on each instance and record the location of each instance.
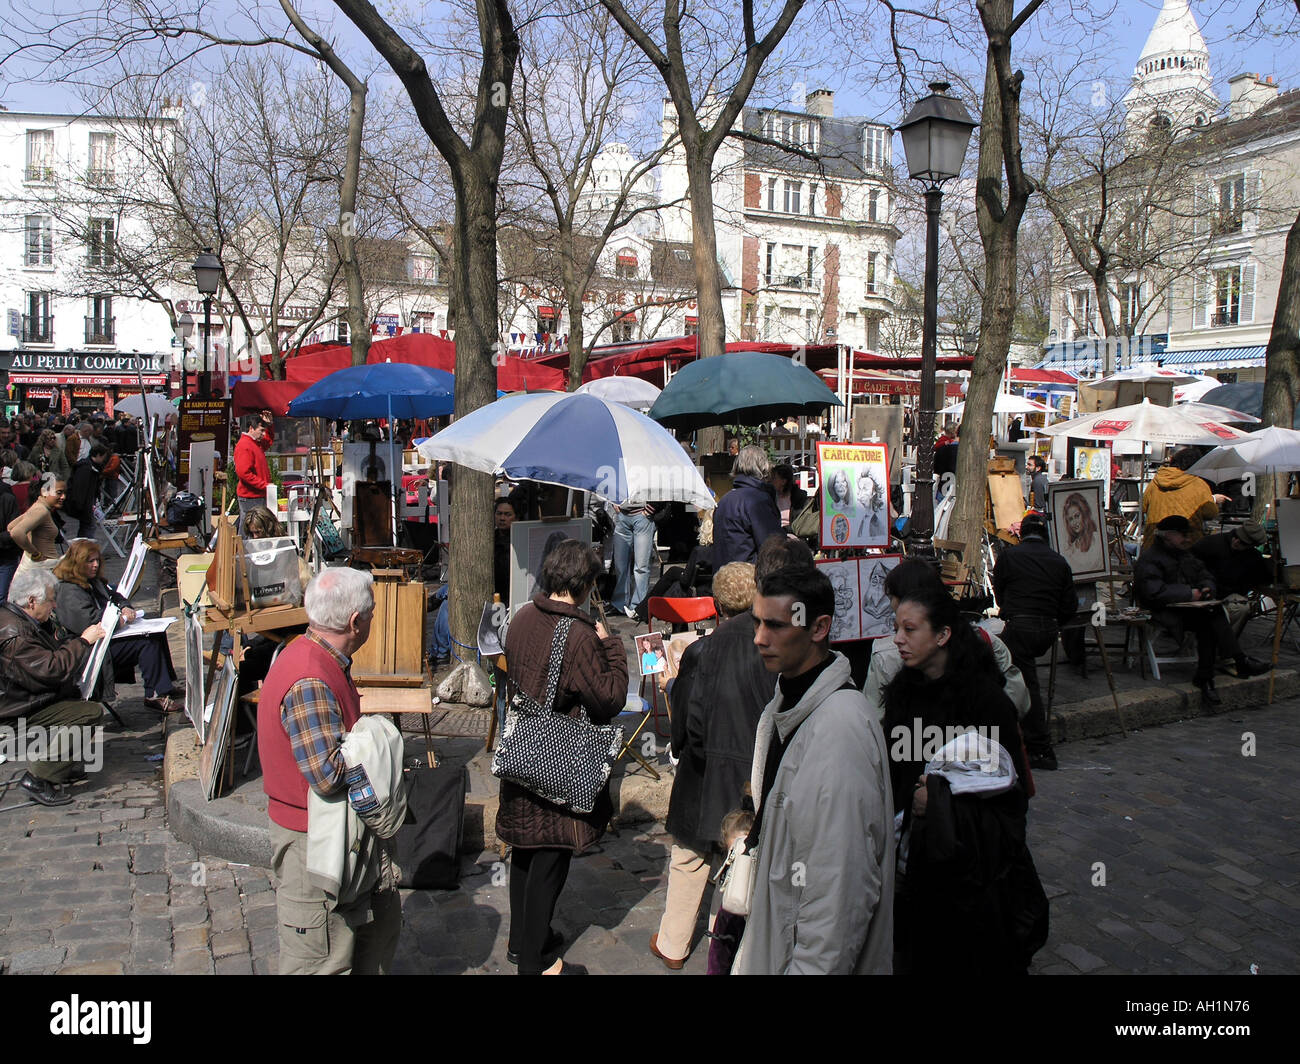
(207, 278)
(935, 134)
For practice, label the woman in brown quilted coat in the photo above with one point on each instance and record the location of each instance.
(593, 677)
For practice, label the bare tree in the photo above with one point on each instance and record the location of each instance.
(475, 166)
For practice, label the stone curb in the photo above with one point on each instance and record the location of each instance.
(238, 832)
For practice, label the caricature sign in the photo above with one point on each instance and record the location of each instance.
(854, 480)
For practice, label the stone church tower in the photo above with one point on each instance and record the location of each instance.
(1172, 86)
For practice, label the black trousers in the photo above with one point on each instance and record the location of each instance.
(154, 657)
(1213, 634)
(1028, 639)
(536, 879)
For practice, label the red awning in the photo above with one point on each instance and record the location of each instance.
(1043, 376)
(251, 396)
(89, 380)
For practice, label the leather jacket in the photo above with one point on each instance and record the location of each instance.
(37, 667)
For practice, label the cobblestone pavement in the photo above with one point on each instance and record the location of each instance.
(1197, 843)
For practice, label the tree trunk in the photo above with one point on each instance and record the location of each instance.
(475, 265)
(577, 340)
(1282, 360)
(358, 327)
(712, 338)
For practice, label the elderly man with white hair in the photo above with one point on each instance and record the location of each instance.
(39, 670)
(308, 704)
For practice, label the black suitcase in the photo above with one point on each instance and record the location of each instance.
(428, 844)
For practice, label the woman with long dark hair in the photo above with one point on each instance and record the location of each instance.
(963, 864)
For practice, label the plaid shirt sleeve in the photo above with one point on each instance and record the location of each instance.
(310, 715)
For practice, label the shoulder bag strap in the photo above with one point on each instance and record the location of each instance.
(558, 641)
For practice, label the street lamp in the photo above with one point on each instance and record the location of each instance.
(207, 278)
(935, 133)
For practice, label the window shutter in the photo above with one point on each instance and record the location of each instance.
(1250, 211)
(1199, 302)
(1201, 207)
(1247, 294)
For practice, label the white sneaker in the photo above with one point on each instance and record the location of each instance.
(630, 613)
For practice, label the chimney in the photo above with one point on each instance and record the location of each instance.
(1249, 93)
(820, 102)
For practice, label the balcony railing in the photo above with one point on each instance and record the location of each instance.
(101, 177)
(38, 329)
(101, 330)
(792, 280)
(42, 174)
(1220, 318)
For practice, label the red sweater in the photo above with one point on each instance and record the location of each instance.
(283, 781)
(251, 467)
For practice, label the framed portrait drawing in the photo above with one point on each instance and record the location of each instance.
(1078, 527)
(862, 609)
(854, 480)
(1093, 463)
(846, 623)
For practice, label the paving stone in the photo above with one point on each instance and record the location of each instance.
(192, 962)
(228, 942)
(190, 938)
(94, 968)
(235, 965)
(37, 960)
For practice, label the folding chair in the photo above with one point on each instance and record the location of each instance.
(675, 611)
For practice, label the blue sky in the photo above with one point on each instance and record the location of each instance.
(1114, 52)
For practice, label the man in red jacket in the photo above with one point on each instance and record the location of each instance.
(251, 466)
(308, 705)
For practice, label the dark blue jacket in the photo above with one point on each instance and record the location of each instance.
(745, 517)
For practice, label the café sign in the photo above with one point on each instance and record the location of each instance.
(85, 363)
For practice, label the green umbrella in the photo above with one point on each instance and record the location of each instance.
(741, 388)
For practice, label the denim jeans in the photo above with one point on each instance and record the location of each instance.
(7, 570)
(634, 537)
(440, 640)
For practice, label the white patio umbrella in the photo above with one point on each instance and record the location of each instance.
(630, 391)
(1190, 393)
(1147, 422)
(152, 404)
(1270, 450)
(1211, 412)
(1141, 382)
(1006, 403)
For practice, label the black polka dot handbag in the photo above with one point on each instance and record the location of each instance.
(562, 759)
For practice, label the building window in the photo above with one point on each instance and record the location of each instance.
(875, 152)
(625, 264)
(624, 329)
(343, 336)
(771, 193)
(546, 319)
(693, 321)
(1229, 297)
(40, 155)
(810, 273)
(424, 268)
(1130, 306)
(424, 321)
(103, 147)
(872, 258)
(38, 324)
(812, 199)
(40, 240)
(99, 242)
(804, 133)
(1229, 199)
(793, 194)
(873, 205)
(1081, 312)
(770, 264)
(99, 322)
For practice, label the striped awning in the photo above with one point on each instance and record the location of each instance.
(1217, 357)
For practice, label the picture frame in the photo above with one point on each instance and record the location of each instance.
(1093, 463)
(220, 720)
(1078, 527)
(530, 542)
(195, 703)
(651, 655)
(855, 510)
(862, 609)
(134, 564)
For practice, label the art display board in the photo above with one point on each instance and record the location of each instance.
(855, 495)
(885, 424)
(530, 543)
(359, 464)
(90, 673)
(202, 421)
(1007, 498)
(221, 716)
(1078, 527)
(195, 703)
(862, 609)
(1093, 463)
(202, 461)
(134, 563)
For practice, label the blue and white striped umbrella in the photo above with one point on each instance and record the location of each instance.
(576, 441)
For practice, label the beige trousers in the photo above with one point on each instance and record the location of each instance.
(317, 935)
(688, 876)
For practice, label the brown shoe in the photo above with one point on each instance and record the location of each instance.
(669, 963)
(165, 705)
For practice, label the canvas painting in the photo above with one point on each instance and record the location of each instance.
(195, 703)
(1079, 527)
(877, 616)
(855, 495)
(530, 543)
(221, 719)
(651, 655)
(1093, 463)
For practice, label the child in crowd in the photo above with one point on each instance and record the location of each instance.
(728, 927)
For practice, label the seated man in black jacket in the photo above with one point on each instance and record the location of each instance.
(1034, 586)
(1167, 573)
(1238, 568)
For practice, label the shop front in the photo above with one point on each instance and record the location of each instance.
(84, 381)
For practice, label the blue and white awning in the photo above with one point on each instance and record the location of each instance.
(1217, 357)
